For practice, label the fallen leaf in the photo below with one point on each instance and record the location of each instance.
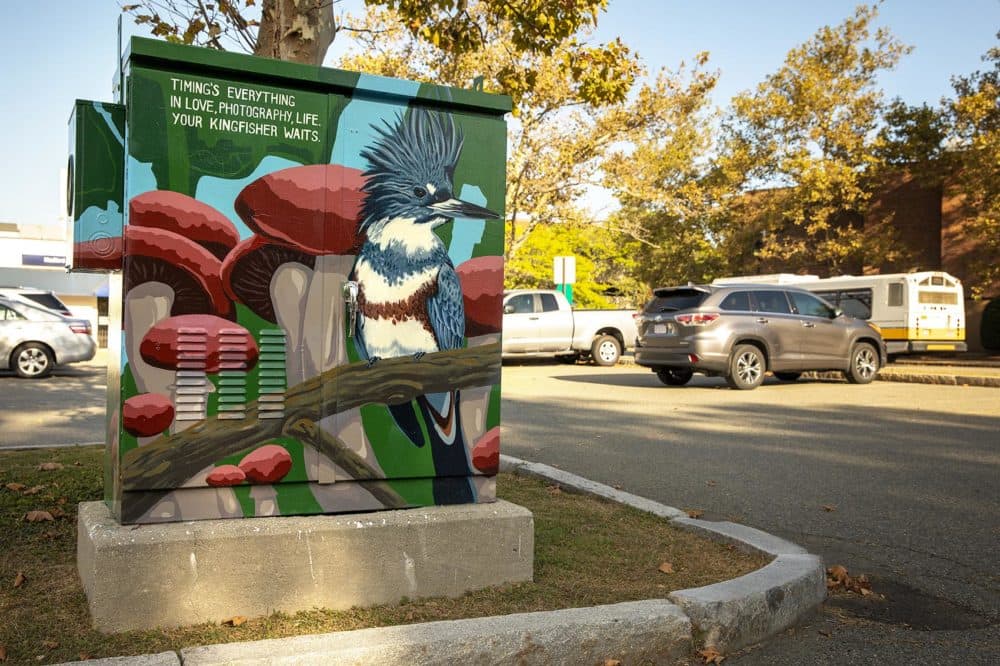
(837, 572)
(829, 507)
(61, 501)
(50, 466)
(612, 662)
(710, 483)
(78, 464)
(3, 653)
(15, 487)
(235, 621)
(58, 513)
(711, 655)
(554, 489)
(616, 487)
(823, 632)
(34, 490)
(694, 513)
(38, 516)
(666, 567)
(50, 645)
(19, 579)
(84, 656)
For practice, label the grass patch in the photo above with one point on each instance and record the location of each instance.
(587, 552)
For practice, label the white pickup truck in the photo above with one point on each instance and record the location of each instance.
(540, 322)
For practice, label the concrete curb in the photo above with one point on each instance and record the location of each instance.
(734, 613)
(652, 631)
(896, 374)
(729, 615)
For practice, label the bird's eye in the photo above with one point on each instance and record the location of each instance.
(420, 192)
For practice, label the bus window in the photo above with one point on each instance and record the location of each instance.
(938, 297)
(856, 303)
(895, 294)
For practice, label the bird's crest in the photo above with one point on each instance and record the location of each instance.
(419, 147)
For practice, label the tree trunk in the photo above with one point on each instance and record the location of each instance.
(296, 30)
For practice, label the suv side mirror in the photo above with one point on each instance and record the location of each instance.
(838, 313)
(508, 309)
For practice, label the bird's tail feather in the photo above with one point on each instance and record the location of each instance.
(443, 420)
(452, 484)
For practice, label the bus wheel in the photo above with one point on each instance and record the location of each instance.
(864, 364)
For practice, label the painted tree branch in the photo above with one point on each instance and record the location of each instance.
(169, 461)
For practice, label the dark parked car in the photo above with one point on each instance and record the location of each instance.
(35, 339)
(742, 331)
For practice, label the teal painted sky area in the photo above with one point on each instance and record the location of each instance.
(61, 50)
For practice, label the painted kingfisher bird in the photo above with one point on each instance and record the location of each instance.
(409, 296)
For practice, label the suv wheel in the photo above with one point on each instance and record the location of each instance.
(864, 364)
(746, 368)
(605, 350)
(32, 361)
(674, 376)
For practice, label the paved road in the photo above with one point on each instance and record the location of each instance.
(66, 407)
(910, 471)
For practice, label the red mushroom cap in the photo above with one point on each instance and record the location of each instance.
(268, 464)
(482, 293)
(164, 256)
(225, 475)
(486, 452)
(315, 208)
(197, 221)
(147, 414)
(203, 342)
(249, 267)
(103, 253)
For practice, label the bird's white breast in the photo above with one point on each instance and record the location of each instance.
(387, 338)
(378, 289)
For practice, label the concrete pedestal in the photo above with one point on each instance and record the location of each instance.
(175, 574)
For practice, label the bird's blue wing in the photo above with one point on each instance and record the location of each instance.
(446, 310)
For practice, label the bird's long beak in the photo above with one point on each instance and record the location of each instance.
(458, 208)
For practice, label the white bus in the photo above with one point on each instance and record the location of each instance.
(917, 312)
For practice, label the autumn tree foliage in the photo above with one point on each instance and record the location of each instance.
(808, 132)
(303, 30)
(975, 114)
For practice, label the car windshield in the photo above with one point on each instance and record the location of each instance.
(671, 300)
(47, 301)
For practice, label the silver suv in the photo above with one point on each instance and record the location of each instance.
(742, 331)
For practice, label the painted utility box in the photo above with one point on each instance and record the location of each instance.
(307, 272)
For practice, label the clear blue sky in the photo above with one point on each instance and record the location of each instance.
(61, 50)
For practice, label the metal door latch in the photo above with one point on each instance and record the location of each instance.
(351, 298)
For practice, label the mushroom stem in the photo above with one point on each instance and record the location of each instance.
(323, 338)
(289, 289)
(146, 304)
(265, 500)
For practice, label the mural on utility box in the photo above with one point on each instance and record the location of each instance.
(310, 321)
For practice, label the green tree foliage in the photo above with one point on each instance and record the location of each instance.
(811, 127)
(604, 259)
(975, 113)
